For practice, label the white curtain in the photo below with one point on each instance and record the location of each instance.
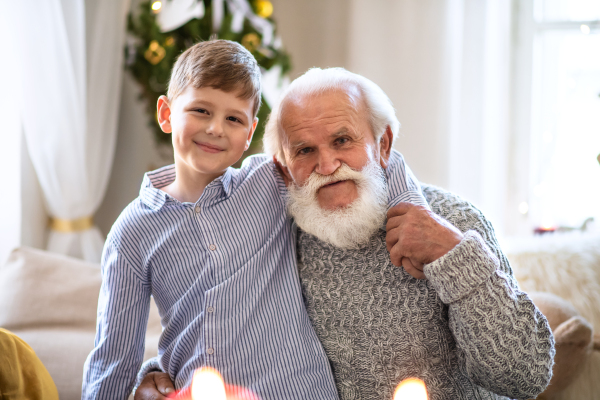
(69, 53)
(445, 65)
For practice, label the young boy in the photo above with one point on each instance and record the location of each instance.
(211, 244)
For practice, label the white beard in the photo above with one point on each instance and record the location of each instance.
(348, 227)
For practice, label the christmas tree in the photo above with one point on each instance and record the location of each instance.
(161, 30)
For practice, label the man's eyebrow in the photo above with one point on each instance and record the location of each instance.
(341, 132)
(297, 144)
(345, 131)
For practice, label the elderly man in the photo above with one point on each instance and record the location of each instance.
(425, 294)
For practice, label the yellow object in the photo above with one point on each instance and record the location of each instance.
(264, 8)
(22, 374)
(251, 41)
(155, 53)
(71, 225)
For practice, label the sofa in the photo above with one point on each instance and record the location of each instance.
(567, 265)
(50, 302)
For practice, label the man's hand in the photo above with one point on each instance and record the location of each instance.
(416, 236)
(155, 386)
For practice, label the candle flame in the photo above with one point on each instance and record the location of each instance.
(207, 384)
(411, 389)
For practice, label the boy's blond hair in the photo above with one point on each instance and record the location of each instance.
(219, 64)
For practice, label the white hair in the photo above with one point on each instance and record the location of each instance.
(317, 81)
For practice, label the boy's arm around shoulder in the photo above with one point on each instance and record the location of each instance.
(123, 308)
(403, 186)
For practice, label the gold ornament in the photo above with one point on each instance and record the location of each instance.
(251, 41)
(264, 8)
(155, 53)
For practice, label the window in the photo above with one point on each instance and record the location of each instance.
(559, 42)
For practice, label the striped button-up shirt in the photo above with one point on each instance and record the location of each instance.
(224, 277)
(223, 274)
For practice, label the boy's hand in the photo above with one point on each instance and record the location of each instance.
(416, 236)
(155, 386)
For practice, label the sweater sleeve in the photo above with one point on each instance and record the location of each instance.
(505, 342)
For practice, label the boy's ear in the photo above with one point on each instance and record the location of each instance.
(163, 114)
(285, 173)
(251, 133)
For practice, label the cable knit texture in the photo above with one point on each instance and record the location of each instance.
(467, 330)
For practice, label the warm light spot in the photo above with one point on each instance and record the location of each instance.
(547, 225)
(207, 384)
(585, 29)
(156, 6)
(524, 208)
(411, 389)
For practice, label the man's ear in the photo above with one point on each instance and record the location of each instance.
(285, 173)
(163, 114)
(251, 133)
(385, 147)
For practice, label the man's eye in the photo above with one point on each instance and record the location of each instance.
(304, 150)
(342, 140)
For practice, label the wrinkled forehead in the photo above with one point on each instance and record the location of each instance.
(296, 108)
(349, 96)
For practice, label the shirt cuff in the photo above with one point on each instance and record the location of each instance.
(462, 269)
(151, 365)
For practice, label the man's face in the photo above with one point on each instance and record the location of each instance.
(326, 131)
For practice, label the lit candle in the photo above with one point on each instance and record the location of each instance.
(411, 389)
(207, 384)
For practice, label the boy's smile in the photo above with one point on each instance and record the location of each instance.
(211, 130)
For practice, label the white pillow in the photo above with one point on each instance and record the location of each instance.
(50, 301)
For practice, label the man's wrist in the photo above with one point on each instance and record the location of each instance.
(462, 269)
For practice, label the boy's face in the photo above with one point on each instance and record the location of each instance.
(211, 129)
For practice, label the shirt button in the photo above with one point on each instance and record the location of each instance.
(210, 350)
(197, 209)
(212, 247)
(210, 309)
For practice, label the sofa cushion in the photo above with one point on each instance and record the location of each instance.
(50, 301)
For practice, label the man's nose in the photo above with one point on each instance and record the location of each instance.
(215, 127)
(328, 162)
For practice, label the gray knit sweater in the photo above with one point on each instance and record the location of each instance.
(467, 330)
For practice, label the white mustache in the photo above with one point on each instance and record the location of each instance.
(344, 173)
(347, 227)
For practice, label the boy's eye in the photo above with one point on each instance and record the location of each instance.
(233, 119)
(202, 111)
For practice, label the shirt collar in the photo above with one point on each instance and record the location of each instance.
(155, 198)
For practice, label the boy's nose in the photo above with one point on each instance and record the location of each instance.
(215, 128)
